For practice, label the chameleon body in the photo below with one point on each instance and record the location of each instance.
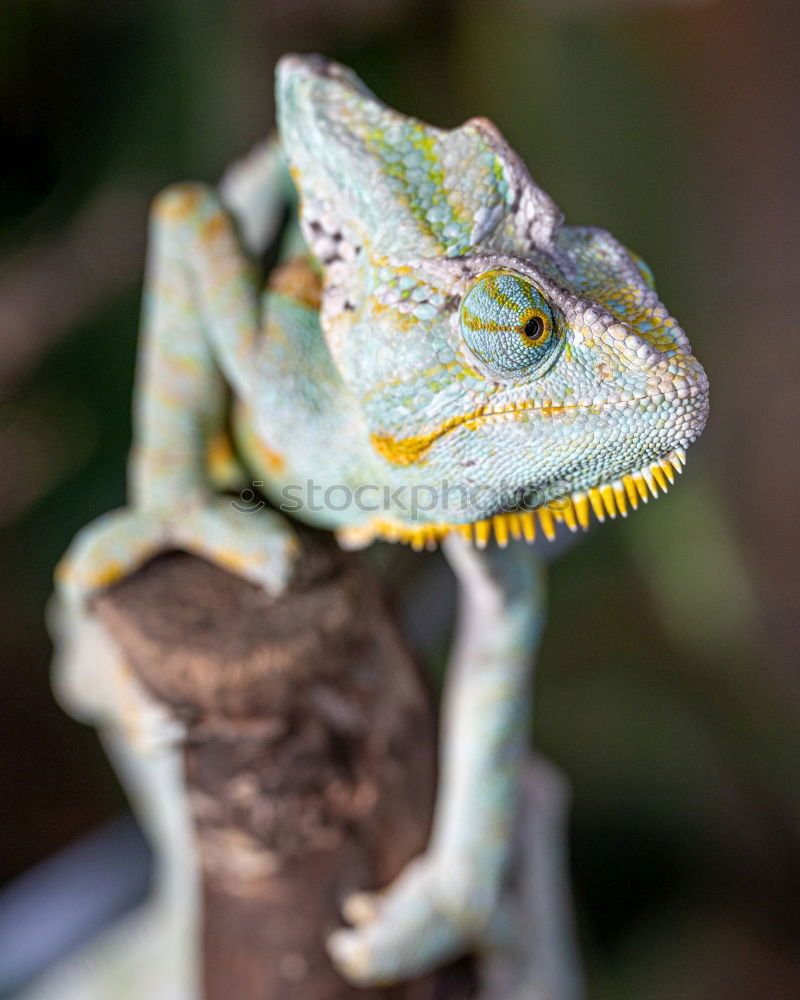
(433, 331)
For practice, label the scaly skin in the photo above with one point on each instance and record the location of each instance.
(433, 331)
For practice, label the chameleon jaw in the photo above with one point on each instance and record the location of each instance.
(573, 509)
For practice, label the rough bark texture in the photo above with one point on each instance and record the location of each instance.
(310, 759)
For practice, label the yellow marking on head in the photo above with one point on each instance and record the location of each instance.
(406, 451)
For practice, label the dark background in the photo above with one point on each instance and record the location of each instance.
(668, 687)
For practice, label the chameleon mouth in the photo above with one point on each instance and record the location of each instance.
(573, 509)
(410, 450)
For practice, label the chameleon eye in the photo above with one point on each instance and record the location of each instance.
(508, 325)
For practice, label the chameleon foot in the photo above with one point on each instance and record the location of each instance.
(407, 930)
(258, 544)
(107, 549)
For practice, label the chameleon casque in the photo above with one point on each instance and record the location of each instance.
(434, 330)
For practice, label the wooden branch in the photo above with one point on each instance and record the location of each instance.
(309, 759)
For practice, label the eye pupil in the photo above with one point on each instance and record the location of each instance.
(534, 327)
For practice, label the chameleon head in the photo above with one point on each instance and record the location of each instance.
(516, 368)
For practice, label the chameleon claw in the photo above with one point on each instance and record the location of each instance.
(360, 908)
(350, 954)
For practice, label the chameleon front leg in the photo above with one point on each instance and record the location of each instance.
(199, 337)
(442, 904)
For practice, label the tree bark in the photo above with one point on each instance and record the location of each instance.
(309, 757)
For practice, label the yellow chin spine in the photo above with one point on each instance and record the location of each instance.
(573, 510)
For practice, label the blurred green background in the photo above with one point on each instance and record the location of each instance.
(668, 685)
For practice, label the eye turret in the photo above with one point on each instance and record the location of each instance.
(508, 326)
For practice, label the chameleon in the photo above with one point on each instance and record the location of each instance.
(436, 359)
